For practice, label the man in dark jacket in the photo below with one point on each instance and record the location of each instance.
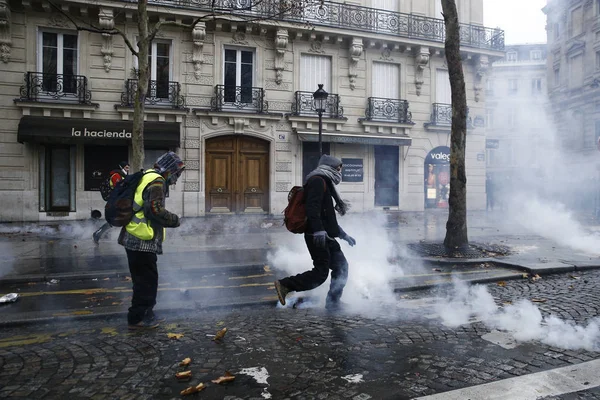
(144, 235)
(321, 229)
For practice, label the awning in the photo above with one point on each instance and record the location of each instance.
(357, 138)
(95, 131)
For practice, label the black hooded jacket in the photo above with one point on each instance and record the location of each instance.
(320, 213)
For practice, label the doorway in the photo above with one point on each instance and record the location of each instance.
(58, 180)
(387, 171)
(237, 175)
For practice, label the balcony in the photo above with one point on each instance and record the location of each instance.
(350, 16)
(304, 106)
(58, 88)
(160, 94)
(441, 116)
(388, 110)
(239, 98)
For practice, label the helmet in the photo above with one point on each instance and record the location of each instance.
(170, 166)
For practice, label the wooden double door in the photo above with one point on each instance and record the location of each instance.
(237, 175)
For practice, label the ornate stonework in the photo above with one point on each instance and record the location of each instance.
(316, 47)
(356, 51)
(421, 62)
(5, 31)
(239, 38)
(281, 41)
(283, 166)
(274, 85)
(58, 20)
(107, 22)
(191, 186)
(283, 146)
(198, 37)
(192, 165)
(482, 65)
(386, 55)
(282, 186)
(279, 106)
(192, 143)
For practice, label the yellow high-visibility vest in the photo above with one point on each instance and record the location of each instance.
(140, 226)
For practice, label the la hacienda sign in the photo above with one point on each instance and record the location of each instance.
(124, 134)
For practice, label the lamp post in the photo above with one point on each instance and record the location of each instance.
(320, 97)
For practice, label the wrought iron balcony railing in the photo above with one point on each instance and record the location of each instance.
(388, 110)
(349, 16)
(304, 106)
(239, 98)
(41, 86)
(441, 115)
(162, 94)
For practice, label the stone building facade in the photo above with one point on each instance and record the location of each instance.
(516, 104)
(234, 98)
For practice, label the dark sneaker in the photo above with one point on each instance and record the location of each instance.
(282, 291)
(96, 235)
(155, 318)
(145, 324)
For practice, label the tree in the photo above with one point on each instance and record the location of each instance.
(271, 9)
(456, 227)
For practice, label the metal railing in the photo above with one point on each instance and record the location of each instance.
(41, 86)
(304, 106)
(239, 98)
(389, 110)
(441, 115)
(167, 94)
(348, 16)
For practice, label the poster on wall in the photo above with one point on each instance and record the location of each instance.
(437, 177)
(352, 170)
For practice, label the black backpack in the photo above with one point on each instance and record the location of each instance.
(119, 205)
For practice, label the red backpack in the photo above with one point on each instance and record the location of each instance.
(294, 215)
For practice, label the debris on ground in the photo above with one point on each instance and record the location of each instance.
(538, 300)
(227, 377)
(52, 282)
(185, 362)
(574, 277)
(437, 269)
(501, 283)
(9, 298)
(193, 389)
(176, 336)
(184, 376)
(220, 335)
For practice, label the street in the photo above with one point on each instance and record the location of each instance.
(301, 353)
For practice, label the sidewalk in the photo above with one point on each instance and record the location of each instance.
(42, 252)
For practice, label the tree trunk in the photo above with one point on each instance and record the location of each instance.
(456, 227)
(137, 138)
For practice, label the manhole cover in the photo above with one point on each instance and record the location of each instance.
(472, 250)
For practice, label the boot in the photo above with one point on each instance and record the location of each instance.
(282, 291)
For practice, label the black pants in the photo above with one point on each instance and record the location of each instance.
(329, 258)
(144, 275)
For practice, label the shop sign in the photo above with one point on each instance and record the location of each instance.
(352, 170)
(492, 143)
(439, 155)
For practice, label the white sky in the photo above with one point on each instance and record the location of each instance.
(522, 20)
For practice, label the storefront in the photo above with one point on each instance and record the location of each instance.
(65, 145)
(437, 177)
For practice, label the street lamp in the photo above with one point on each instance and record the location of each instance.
(320, 97)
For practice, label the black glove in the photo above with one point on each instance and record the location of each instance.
(346, 237)
(320, 239)
(177, 221)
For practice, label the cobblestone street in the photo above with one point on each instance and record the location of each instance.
(293, 353)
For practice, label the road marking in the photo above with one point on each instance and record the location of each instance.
(554, 382)
(481, 271)
(250, 276)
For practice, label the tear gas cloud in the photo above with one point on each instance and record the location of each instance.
(523, 320)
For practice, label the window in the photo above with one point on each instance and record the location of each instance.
(489, 118)
(556, 76)
(535, 55)
(389, 5)
(315, 70)
(598, 58)
(151, 155)
(597, 137)
(57, 60)
(311, 156)
(443, 94)
(386, 80)
(597, 7)
(238, 77)
(489, 86)
(99, 161)
(536, 86)
(438, 10)
(576, 72)
(512, 117)
(556, 29)
(57, 178)
(576, 23)
(511, 56)
(160, 71)
(513, 86)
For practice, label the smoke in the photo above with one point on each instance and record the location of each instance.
(373, 266)
(523, 320)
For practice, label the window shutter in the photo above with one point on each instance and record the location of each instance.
(315, 70)
(386, 80)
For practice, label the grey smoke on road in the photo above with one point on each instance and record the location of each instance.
(523, 320)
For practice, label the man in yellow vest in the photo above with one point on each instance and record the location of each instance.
(143, 237)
